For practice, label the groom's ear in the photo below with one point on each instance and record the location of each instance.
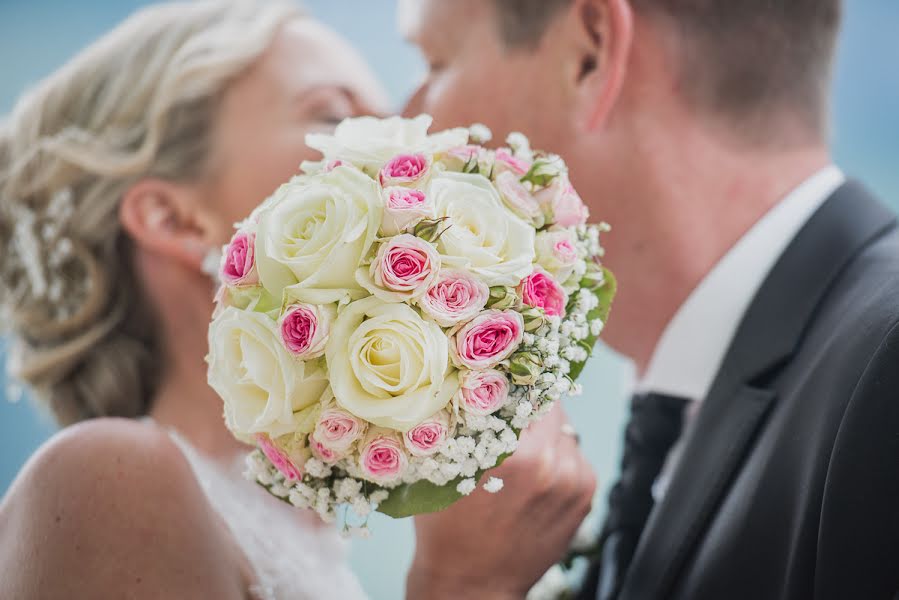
(602, 33)
(167, 219)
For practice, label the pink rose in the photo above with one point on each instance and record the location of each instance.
(487, 340)
(455, 297)
(331, 165)
(482, 392)
(338, 430)
(506, 161)
(564, 251)
(405, 264)
(239, 262)
(562, 204)
(557, 252)
(404, 207)
(383, 458)
(465, 153)
(322, 452)
(518, 198)
(404, 169)
(540, 290)
(427, 437)
(459, 157)
(305, 329)
(278, 458)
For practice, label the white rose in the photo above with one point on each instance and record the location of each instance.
(314, 234)
(388, 365)
(557, 253)
(484, 236)
(369, 143)
(264, 388)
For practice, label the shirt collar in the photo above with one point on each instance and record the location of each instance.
(693, 345)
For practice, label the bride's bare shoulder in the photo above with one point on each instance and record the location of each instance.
(102, 459)
(110, 503)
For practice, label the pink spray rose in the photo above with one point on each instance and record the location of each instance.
(305, 329)
(322, 452)
(457, 158)
(487, 340)
(455, 297)
(518, 198)
(404, 169)
(278, 458)
(338, 430)
(562, 204)
(404, 207)
(405, 264)
(482, 392)
(506, 161)
(564, 251)
(427, 437)
(383, 458)
(540, 290)
(557, 252)
(239, 262)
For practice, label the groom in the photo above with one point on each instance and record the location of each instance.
(759, 287)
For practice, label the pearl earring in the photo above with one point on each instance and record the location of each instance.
(212, 264)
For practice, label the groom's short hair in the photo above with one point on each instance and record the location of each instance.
(741, 58)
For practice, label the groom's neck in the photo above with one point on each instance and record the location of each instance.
(697, 197)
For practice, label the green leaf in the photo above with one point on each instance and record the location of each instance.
(424, 497)
(418, 498)
(606, 294)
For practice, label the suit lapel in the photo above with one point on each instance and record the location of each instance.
(738, 402)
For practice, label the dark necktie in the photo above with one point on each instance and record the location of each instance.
(654, 426)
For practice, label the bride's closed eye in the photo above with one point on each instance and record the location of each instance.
(325, 107)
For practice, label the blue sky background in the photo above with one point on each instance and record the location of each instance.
(36, 36)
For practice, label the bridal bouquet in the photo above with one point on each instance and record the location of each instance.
(392, 318)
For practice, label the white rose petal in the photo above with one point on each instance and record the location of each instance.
(264, 388)
(314, 233)
(369, 143)
(484, 237)
(388, 365)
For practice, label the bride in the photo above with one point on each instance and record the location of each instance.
(118, 175)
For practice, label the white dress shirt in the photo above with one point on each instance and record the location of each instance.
(689, 353)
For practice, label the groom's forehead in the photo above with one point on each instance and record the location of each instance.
(425, 20)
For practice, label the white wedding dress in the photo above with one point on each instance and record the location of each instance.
(293, 555)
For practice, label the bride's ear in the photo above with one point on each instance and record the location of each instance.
(603, 31)
(166, 219)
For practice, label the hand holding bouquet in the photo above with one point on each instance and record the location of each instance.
(391, 319)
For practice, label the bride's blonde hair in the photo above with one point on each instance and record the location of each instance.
(140, 102)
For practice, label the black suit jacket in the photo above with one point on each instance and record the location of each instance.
(788, 486)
